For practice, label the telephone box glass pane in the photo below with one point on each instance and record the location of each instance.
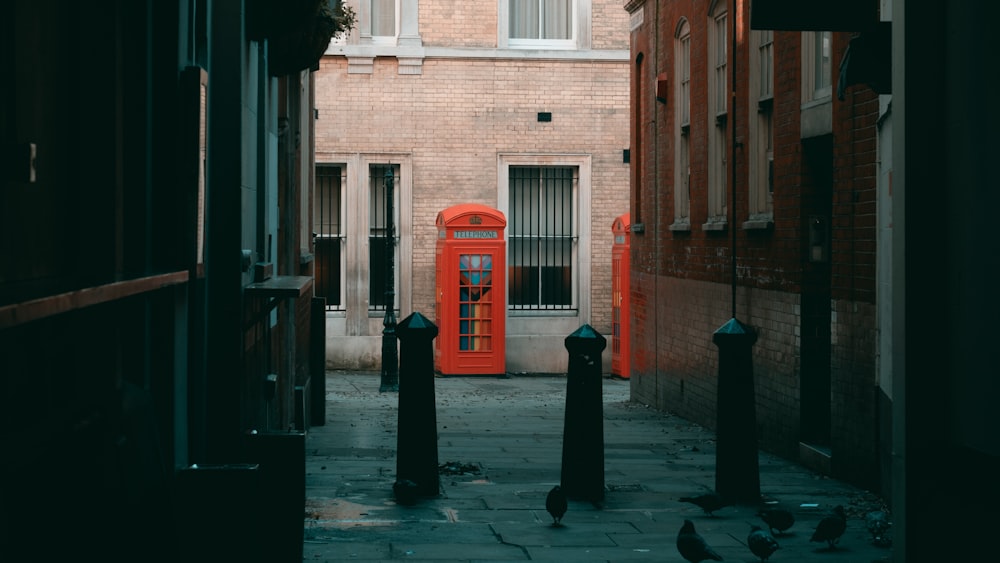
(475, 282)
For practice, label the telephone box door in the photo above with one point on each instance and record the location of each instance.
(471, 297)
(620, 266)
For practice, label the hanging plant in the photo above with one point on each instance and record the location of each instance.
(296, 45)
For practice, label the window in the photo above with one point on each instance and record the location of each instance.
(541, 19)
(720, 38)
(328, 238)
(821, 78)
(682, 112)
(541, 233)
(378, 21)
(718, 105)
(544, 24)
(817, 85)
(383, 18)
(383, 178)
(765, 60)
(635, 154)
(761, 131)
(392, 26)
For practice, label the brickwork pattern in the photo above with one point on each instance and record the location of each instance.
(681, 279)
(456, 117)
(855, 392)
(688, 314)
(458, 23)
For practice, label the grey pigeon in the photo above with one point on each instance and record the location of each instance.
(761, 542)
(878, 524)
(831, 527)
(556, 504)
(709, 502)
(692, 547)
(777, 519)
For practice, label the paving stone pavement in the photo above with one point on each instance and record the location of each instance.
(500, 451)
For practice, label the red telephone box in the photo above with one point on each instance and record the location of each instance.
(620, 266)
(470, 291)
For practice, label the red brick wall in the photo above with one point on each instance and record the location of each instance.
(681, 289)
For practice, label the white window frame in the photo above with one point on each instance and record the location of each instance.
(761, 130)
(580, 26)
(342, 231)
(396, 223)
(718, 81)
(581, 255)
(357, 318)
(366, 20)
(682, 114)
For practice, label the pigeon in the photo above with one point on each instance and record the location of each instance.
(761, 542)
(709, 502)
(777, 519)
(831, 527)
(556, 504)
(692, 547)
(878, 524)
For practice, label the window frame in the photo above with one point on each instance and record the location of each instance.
(375, 310)
(368, 21)
(580, 26)
(817, 103)
(355, 319)
(760, 211)
(341, 231)
(718, 55)
(581, 240)
(682, 133)
(811, 92)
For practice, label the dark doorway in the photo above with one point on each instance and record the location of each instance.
(817, 206)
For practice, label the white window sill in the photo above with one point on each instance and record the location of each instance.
(715, 224)
(758, 224)
(681, 226)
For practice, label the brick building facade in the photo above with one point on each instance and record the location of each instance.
(772, 164)
(456, 101)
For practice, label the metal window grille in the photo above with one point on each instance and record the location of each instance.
(541, 232)
(328, 238)
(379, 229)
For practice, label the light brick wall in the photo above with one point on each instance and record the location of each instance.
(458, 23)
(454, 118)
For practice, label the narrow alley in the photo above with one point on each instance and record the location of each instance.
(500, 451)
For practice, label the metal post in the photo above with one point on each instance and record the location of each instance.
(582, 474)
(417, 435)
(390, 353)
(737, 471)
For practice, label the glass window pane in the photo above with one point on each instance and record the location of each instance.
(540, 19)
(383, 18)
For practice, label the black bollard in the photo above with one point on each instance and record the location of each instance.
(583, 432)
(416, 450)
(737, 475)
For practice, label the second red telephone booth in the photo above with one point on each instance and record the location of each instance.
(470, 291)
(620, 266)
